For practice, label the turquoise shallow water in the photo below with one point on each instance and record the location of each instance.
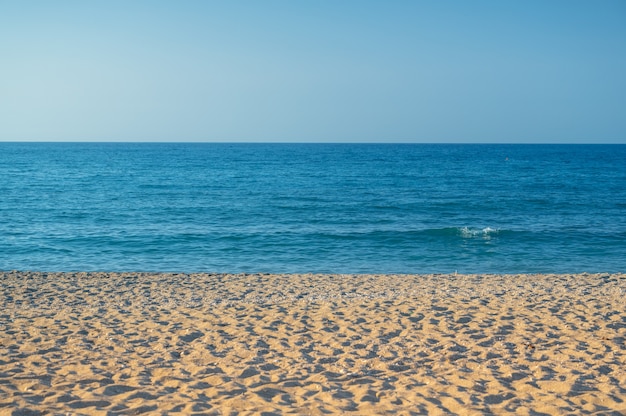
(329, 208)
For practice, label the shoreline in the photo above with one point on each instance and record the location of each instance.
(124, 343)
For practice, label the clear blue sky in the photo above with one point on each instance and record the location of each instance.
(318, 70)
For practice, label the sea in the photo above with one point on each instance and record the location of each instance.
(313, 208)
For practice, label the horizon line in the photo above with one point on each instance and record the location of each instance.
(620, 142)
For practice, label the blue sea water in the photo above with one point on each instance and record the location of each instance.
(323, 208)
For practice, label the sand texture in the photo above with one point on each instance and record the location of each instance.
(218, 344)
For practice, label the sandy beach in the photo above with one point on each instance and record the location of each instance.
(132, 343)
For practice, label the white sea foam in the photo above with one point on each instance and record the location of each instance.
(487, 232)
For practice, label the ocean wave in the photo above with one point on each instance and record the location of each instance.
(486, 232)
(455, 232)
(373, 234)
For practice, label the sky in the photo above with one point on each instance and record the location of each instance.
(532, 71)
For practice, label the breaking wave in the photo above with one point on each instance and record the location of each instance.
(469, 232)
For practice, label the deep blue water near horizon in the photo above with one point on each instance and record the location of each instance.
(319, 208)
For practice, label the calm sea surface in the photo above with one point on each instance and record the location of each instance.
(338, 208)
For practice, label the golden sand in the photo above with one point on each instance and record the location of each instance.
(109, 343)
